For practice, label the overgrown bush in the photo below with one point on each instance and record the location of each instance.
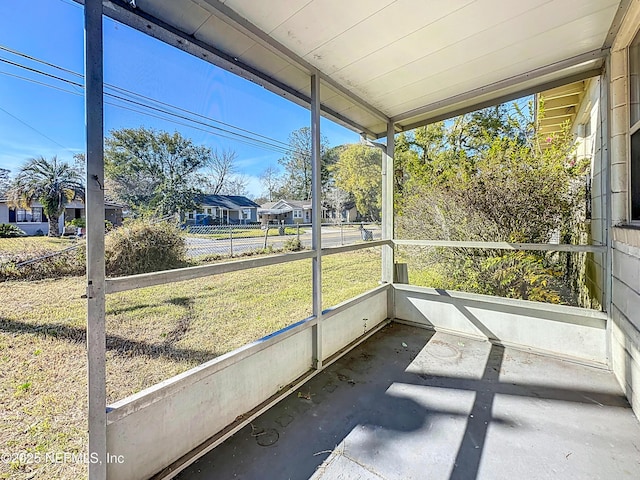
(8, 230)
(51, 265)
(141, 247)
(292, 244)
(485, 177)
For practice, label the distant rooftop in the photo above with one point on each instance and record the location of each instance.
(231, 202)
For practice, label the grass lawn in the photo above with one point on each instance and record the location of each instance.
(244, 233)
(152, 334)
(22, 245)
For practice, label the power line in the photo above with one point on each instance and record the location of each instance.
(271, 141)
(286, 145)
(246, 137)
(40, 72)
(39, 83)
(36, 130)
(191, 126)
(250, 142)
(136, 94)
(254, 141)
(38, 60)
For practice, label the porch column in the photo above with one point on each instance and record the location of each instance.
(96, 340)
(316, 243)
(387, 205)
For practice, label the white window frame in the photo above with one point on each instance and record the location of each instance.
(632, 130)
(29, 215)
(297, 213)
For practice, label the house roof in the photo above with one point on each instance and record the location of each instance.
(560, 106)
(284, 205)
(382, 61)
(75, 204)
(231, 202)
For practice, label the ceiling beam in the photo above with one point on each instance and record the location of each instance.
(565, 90)
(560, 112)
(559, 120)
(551, 103)
(623, 8)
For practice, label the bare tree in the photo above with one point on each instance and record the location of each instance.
(5, 181)
(337, 199)
(271, 181)
(220, 171)
(236, 185)
(298, 166)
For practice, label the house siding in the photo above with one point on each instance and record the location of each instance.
(114, 215)
(33, 228)
(625, 253)
(4, 213)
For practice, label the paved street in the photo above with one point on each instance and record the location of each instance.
(331, 237)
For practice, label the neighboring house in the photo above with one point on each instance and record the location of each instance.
(223, 209)
(349, 213)
(285, 211)
(300, 211)
(33, 221)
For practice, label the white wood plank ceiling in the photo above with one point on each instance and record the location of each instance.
(411, 61)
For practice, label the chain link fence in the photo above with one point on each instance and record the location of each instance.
(239, 240)
(27, 257)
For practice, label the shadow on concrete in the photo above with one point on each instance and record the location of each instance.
(469, 455)
(363, 408)
(467, 462)
(292, 439)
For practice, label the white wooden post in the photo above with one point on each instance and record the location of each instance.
(96, 337)
(316, 242)
(387, 206)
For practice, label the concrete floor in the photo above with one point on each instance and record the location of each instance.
(410, 404)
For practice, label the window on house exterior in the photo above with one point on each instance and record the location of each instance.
(28, 215)
(634, 125)
(36, 214)
(297, 214)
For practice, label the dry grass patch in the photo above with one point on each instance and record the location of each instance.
(20, 245)
(152, 334)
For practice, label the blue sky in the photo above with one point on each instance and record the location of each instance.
(38, 120)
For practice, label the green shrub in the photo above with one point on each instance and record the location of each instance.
(78, 222)
(8, 230)
(141, 247)
(292, 244)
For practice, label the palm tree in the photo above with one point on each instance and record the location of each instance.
(50, 182)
